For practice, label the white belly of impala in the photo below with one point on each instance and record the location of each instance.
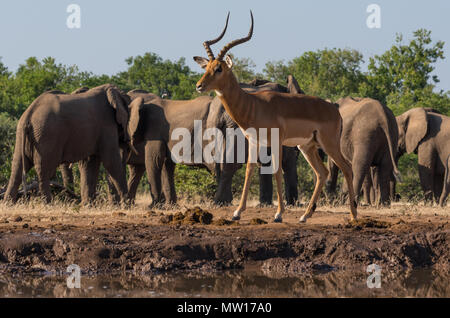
(293, 142)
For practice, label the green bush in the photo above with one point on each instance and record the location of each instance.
(410, 188)
(191, 182)
(7, 141)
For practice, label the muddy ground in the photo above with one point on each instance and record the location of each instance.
(44, 239)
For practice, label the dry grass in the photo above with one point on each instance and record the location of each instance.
(36, 209)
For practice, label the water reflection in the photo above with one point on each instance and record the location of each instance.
(245, 283)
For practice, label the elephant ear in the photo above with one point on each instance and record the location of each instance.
(416, 127)
(135, 109)
(114, 98)
(293, 86)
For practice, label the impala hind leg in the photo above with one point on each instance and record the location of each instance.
(311, 154)
(333, 150)
(276, 161)
(248, 174)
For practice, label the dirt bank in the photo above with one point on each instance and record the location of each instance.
(116, 241)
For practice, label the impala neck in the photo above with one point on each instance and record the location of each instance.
(236, 102)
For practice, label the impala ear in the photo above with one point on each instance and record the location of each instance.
(201, 61)
(229, 61)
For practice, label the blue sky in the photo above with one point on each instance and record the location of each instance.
(113, 30)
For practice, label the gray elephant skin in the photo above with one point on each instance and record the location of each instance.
(427, 133)
(86, 127)
(369, 138)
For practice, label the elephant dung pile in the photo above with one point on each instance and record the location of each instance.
(257, 221)
(190, 216)
(367, 223)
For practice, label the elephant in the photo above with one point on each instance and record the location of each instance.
(151, 138)
(426, 132)
(57, 128)
(368, 140)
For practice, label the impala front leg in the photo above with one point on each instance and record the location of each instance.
(248, 175)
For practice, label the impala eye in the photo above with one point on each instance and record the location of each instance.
(219, 69)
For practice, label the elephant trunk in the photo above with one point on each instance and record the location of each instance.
(388, 133)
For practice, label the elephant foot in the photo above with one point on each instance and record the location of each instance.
(156, 205)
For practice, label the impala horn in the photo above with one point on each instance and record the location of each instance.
(227, 47)
(206, 44)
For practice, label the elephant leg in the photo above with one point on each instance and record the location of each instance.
(136, 173)
(225, 173)
(381, 184)
(89, 171)
(113, 195)
(289, 164)
(331, 183)
(265, 189)
(45, 169)
(361, 161)
(265, 182)
(426, 174)
(168, 181)
(385, 171)
(155, 154)
(367, 189)
(446, 182)
(393, 194)
(438, 185)
(67, 176)
(373, 190)
(426, 181)
(113, 164)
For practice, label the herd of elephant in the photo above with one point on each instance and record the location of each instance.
(105, 125)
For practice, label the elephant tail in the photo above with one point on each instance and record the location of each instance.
(388, 133)
(24, 172)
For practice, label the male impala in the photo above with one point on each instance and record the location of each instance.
(303, 121)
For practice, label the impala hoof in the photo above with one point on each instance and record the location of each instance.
(235, 218)
(302, 219)
(278, 219)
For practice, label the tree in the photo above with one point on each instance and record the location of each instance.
(158, 76)
(244, 69)
(3, 69)
(327, 73)
(32, 78)
(276, 71)
(404, 71)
